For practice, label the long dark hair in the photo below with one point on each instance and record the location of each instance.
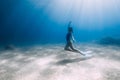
(70, 29)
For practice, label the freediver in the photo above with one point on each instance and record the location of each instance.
(70, 40)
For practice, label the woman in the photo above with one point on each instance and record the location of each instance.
(70, 40)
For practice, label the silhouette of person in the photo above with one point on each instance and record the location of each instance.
(70, 39)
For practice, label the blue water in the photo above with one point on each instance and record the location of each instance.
(45, 21)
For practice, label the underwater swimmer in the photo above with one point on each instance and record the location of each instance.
(70, 39)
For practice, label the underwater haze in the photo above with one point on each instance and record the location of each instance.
(33, 37)
(46, 21)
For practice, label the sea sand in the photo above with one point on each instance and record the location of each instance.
(51, 62)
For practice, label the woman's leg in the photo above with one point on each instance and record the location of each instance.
(67, 47)
(75, 50)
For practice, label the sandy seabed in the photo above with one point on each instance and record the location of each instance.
(51, 62)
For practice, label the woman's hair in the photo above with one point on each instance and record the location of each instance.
(70, 29)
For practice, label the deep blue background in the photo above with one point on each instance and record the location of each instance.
(22, 22)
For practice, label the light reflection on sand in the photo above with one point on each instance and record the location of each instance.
(53, 63)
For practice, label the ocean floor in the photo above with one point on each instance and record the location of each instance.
(51, 62)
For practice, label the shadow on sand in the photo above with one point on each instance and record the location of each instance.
(67, 61)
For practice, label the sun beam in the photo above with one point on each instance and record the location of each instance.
(84, 13)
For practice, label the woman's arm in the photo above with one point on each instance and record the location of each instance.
(73, 39)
